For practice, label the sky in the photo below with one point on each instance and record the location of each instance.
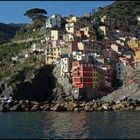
(12, 11)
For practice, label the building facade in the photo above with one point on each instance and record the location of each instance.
(82, 74)
(72, 27)
(133, 44)
(54, 21)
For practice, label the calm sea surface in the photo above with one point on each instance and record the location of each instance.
(70, 125)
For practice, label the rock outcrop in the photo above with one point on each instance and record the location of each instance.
(131, 91)
(39, 89)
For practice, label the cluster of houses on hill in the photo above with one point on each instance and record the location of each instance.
(89, 54)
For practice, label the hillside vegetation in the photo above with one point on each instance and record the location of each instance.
(8, 31)
(121, 10)
(9, 69)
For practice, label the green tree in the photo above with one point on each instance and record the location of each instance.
(37, 15)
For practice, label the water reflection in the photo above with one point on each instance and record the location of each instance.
(66, 125)
(70, 125)
(114, 124)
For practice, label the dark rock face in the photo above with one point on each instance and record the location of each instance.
(39, 89)
(43, 84)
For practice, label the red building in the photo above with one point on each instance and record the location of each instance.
(82, 74)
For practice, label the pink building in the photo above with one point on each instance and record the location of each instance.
(54, 44)
(115, 48)
(123, 60)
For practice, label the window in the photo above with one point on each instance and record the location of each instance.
(108, 80)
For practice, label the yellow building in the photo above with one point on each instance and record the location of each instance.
(133, 44)
(56, 35)
(53, 54)
(86, 47)
(95, 78)
(71, 19)
(137, 55)
(86, 31)
(89, 33)
(81, 46)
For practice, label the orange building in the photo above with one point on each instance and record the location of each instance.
(82, 74)
(79, 33)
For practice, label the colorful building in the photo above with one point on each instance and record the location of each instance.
(71, 19)
(81, 35)
(86, 47)
(115, 48)
(52, 55)
(89, 33)
(56, 35)
(72, 27)
(133, 44)
(82, 74)
(137, 55)
(70, 47)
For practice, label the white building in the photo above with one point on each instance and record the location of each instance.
(78, 55)
(34, 45)
(103, 19)
(54, 21)
(68, 37)
(72, 27)
(66, 64)
(103, 30)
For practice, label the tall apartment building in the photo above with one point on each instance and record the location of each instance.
(82, 74)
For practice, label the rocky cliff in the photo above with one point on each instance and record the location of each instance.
(40, 88)
(129, 90)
